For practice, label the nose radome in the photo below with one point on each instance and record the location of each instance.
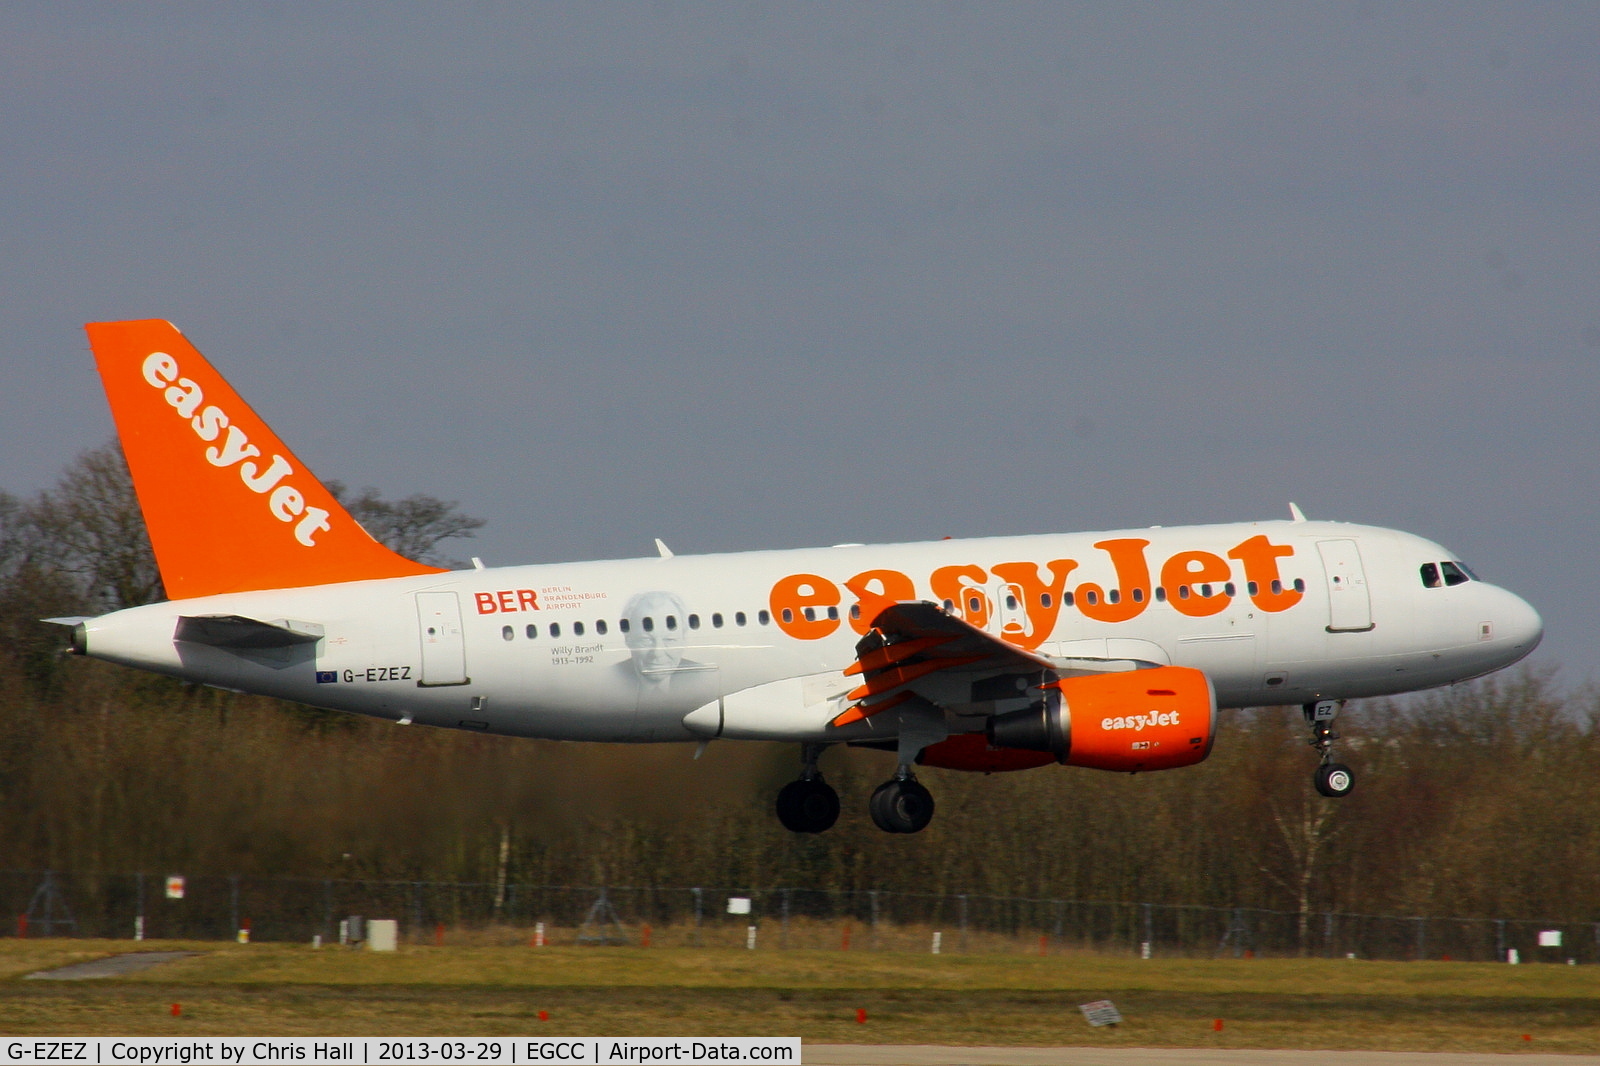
(1518, 623)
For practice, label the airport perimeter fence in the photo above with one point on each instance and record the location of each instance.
(124, 906)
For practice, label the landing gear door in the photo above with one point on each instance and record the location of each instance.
(444, 649)
(1349, 603)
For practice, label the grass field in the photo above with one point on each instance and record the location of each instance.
(292, 990)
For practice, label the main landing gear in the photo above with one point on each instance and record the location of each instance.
(809, 805)
(901, 805)
(1332, 779)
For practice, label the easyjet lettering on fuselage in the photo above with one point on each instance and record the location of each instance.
(1027, 603)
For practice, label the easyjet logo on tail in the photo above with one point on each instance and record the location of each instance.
(233, 448)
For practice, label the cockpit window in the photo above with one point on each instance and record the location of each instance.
(1465, 569)
(1453, 574)
(1430, 575)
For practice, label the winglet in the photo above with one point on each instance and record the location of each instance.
(1295, 513)
(228, 507)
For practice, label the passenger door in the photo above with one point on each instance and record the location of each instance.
(444, 649)
(1349, 603)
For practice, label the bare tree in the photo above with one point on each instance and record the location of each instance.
(89, 526)
(1305, 831)
(415, 526)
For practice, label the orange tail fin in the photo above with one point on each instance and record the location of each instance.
(229, 508)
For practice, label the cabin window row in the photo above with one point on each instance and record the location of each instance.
(647, 624)
(974, 605)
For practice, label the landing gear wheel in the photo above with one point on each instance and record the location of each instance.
(809, 805)
(1334, 780)
(901, 806)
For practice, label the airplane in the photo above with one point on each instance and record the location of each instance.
(1111, 650)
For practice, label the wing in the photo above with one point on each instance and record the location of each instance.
(915, 651)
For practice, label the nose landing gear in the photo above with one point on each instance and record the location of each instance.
(1332, 779)
(809, 805)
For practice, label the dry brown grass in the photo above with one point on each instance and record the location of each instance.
(275, 989)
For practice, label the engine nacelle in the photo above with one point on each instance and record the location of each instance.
(1153, 719)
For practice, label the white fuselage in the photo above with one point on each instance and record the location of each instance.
(541, 651)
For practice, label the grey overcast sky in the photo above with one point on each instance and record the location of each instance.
(746, 276)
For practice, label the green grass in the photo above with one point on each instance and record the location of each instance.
(292, 990)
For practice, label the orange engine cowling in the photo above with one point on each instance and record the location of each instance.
(1152, 719)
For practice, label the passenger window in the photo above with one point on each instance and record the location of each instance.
(766, 619)
(716, 620)
(833, 614)
(508, 633)
(1299, 585)
(648, 623)
(1228, 588)
(1452, 574)
(1114, 596)
(623, 625)
(949, 605)
(1044, 600)
(1138, 595)
(1430, 575)
(555, 629)
(788, 616)
(600, 627)
(672, 621)
(1205, 590)
(855, 611)
(1090, 598)
(810, 613)
(1011, 602)
(974, 604)
(533, 632)
(694, 621)
(1066, 599)
(1161, 594)
(1251, 587)
(577, 629)
(1277, 587)
(738, 618)
(1183, 592)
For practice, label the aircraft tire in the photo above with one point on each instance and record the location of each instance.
(1334, 780)
(901, 807)
(808, 806)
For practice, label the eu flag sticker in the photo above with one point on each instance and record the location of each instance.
(327, 677)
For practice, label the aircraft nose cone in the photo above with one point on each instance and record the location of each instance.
(1519, 624)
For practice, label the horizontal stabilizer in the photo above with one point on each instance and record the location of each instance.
(70, 621)
(236, 631)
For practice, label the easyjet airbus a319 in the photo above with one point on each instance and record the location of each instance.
(1106, 650)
